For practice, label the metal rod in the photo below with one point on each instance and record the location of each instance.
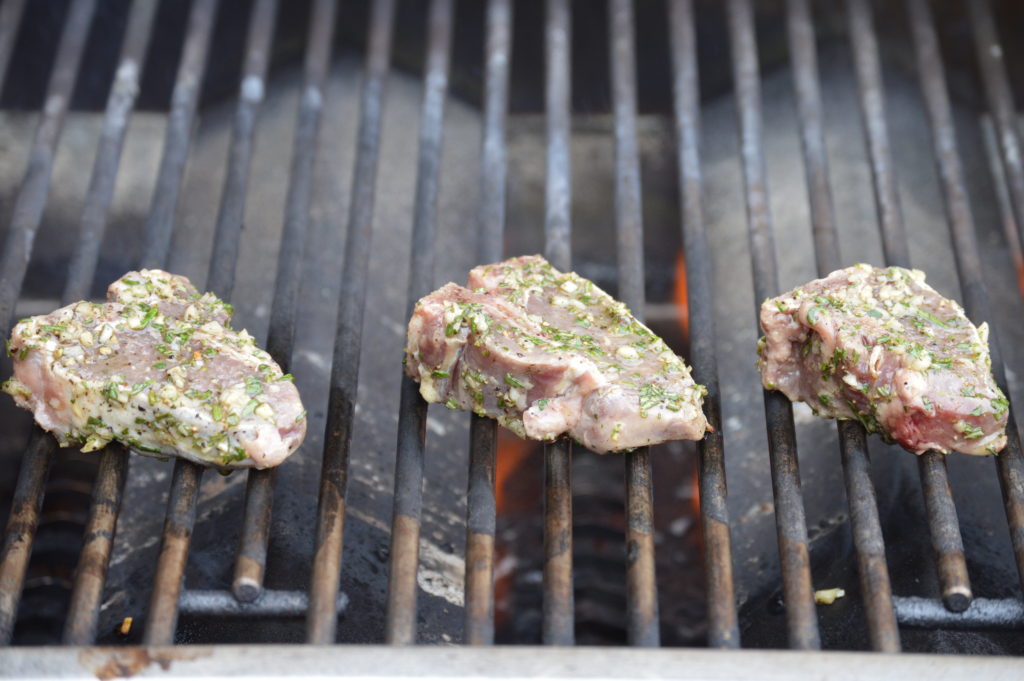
(251, 558)
(641, 582)
(558, 104)
(558, 608)
(481, 509)
(21, 528)
(860, 491)
(991, 63)
(400, 626)
(723, 627)
(995, 166)
(31, 200)
(876, 133)
(120, 104)
(184, 100)
(983, 613)
(791, 524)
(942, 518)
(169, 579)
(1010, 462)
(480, 526)
(221, 278)
(27, 215)
(10, 20)
(91, 573)
(90, 576)
(322, 620)
(270, 603)
(162, 619)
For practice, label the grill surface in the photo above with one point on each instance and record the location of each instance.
(954, 606)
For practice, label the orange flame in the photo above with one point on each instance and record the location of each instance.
(679, 295)
(512, 453)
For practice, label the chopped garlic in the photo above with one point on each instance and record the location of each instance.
(828, 596)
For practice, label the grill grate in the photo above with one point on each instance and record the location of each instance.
(324, 600)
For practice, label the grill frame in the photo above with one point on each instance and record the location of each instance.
(324, 600)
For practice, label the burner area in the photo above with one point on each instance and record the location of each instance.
(323, 164)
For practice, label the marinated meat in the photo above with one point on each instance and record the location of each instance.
(881, 346)
(159, 369)
(547, 353)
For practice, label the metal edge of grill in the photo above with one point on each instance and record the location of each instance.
(323, 601)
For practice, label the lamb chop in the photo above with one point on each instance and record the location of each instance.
(159, 369)
(881, 346)
(547, 353)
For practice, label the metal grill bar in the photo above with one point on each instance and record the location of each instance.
(480, 512)
(322, 618)
(251, 559)
(221, 277)
(942, 519)
(162, 618)
(641, 583)
(723, 628)
(250, 563)
(989, 53)
(10, 20)
(28, 212)
(860, 492)
(1010, 462)
(91, 572)
(28, 207)
(412, 414)
(559, 616)
(791, 524)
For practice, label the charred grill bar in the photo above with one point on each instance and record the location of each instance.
(322, 617)
(412, 411)
(942, 518)
(324, 600)
(1010, 462)
(480, 502)
(28, 212)
(790, 522)
(559, 618)
(180, 520)
(641, 586)
(860, 491)
(723, 626)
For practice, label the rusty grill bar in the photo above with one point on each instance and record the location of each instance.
(323, 601)
(860, 491)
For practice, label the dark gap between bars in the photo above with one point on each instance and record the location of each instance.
(942, 517)
(400, 626)
(1009, 462)
(10, 20)
(790, 520)
(322, 616)
(723, 627)
(860, 491)
(641, 585)
(28, 212)
(162, 618)
(558, 605)
(480, 501)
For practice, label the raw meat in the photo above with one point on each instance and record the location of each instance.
(881, 346)
(547, 353)
(158, 369)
